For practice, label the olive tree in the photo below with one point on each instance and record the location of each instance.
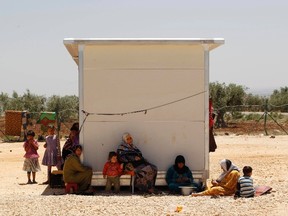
(225, 97)
(28, 102)
(4, 100)
(66, 107)
(279, 99)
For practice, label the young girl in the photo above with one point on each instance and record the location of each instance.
(112, 171)
(31, 163)
(52, 154)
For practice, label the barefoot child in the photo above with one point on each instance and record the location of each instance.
(52, 154)
(31, 163)
(112, 171)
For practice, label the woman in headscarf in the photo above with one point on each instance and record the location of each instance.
(75, 172)
(226, 183)
(72, 141)
(131, 156)
(180, 175)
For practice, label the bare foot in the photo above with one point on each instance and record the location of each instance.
(195, 194)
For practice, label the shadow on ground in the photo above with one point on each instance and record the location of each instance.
(100, 191)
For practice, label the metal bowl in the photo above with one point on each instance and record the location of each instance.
(187, 190)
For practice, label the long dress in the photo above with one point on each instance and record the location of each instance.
(226, 187)
(75, 172)
(51, 151)
(145, 172)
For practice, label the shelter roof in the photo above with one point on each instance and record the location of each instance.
(72, 44)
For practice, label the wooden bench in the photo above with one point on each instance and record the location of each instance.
(128, 179)
(161, 181)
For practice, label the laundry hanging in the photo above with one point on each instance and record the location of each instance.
(47, 118)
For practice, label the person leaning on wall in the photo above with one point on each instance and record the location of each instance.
(131, 156)
(72, 141)
(212, 142)
(180, 175)
(75, 172)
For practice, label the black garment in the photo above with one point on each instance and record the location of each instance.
(212, 143)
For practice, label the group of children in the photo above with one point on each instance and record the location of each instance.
(52, 156)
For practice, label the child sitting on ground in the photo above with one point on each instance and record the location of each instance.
(245, 184)
(112, 171)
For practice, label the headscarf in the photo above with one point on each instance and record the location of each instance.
(180, 159)
(77, 147)
(227, 166)
(73, 150)
(127, 152)
(124, 137)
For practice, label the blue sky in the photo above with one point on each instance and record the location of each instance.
(33, 56)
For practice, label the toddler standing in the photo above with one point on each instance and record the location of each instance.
(52, 154)
(31, 163)
(112, 171)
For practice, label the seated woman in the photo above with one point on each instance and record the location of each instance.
(180, 175)
(131, 156)
(226, 184)
(75, 172)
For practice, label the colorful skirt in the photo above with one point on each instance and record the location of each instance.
(31, 165)
(145, 176)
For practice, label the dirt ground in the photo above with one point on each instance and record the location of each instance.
(268, 156)
(254, 128)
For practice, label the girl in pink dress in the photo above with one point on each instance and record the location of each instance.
(31, 163)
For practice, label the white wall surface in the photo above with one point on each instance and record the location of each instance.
(124, 78)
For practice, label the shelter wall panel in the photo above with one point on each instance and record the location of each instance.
(144, 56)
(133, 90)
(160, 142)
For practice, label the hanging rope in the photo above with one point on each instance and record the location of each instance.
(143, 110)
(137, 111)
(86, 115)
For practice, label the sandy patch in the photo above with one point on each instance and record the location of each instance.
(268, 158)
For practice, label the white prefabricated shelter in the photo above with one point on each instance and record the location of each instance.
(155, 89)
